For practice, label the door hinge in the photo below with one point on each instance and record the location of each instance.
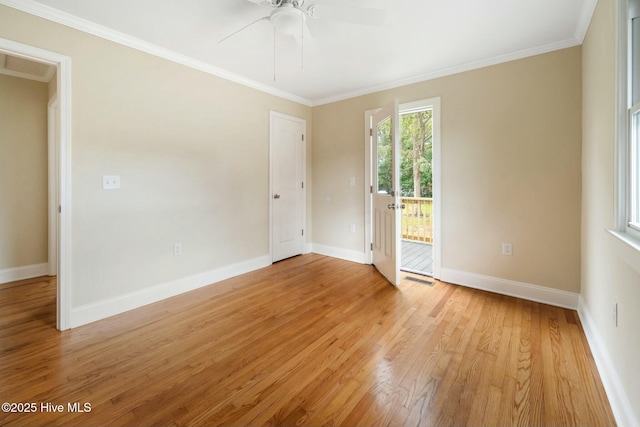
(371, 245)
(371, 189)
(303, 185)
(59, 208)
(303, 232)
(303, 136)
(370, 131)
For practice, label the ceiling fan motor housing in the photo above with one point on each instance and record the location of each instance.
(288, 19)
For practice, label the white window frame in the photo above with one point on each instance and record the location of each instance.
(632, 222)
(627, 234)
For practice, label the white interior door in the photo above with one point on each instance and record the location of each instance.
(385, 197)
(287, 186)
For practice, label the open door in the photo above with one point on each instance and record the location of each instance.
(385, 192)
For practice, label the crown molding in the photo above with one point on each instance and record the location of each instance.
(37, 9)
(469, 66)
(34, 8)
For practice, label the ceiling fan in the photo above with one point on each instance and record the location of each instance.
(289, 17)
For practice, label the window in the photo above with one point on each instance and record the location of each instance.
(628, 217)
(634, 167)
(633, 220)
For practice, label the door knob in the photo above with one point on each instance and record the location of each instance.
(276, 196)
(391, 206)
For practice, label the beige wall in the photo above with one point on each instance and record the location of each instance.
(192, 153)
(510, 168)
(23, 172)
(605, 277)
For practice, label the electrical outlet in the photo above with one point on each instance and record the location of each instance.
(614, 314)
(507, 249)
(177, 248)
(111, 182)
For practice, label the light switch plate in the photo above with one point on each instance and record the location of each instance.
(507, 249)
(111, 182)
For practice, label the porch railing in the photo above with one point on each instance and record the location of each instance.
(417, 219)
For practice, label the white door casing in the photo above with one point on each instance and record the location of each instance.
(53, 143)
(287, 135)
(63, 160)
(385, 195)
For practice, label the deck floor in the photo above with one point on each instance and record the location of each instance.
(417, 257)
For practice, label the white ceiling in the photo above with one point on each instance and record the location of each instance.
(420, 39)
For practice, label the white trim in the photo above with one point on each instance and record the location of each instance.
(110, 307)
(64, 193)
(25, 272)
(55, 15)
(618, 400)
(340, 253)
(588, 8)
(436, 180)
(63, 64)
(627, 249)
(621, 115)
(368, 182)
(303, 122)
(52, 150)
(512, 288)
(499, 59)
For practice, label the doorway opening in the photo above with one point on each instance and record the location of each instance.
(416, 191)
(30, 59)
(409, 159)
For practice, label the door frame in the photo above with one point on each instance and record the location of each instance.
(63, 173)
(52, 147)
(436, 177)
(303, 160)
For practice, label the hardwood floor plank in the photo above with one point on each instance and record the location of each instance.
(307, 341)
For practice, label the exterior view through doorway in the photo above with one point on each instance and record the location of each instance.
(411, 164)
(416, 191)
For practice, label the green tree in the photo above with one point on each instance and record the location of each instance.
(416, 148)
(384, 160)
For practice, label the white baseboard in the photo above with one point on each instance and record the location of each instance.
(25, 272)
(512, 288)
(102, 309)
(307, 249)
(345, 254)
(620, 405)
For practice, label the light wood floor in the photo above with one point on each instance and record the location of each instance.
(309, 341)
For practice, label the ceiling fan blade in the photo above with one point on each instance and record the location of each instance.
(244, 28)
(348, 14)
(266, 2)
(306, 40)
